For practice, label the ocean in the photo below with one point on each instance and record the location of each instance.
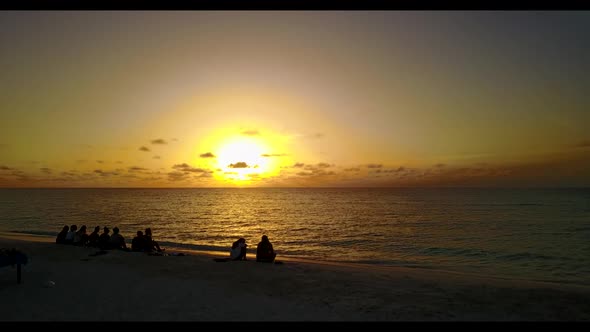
(530, 234)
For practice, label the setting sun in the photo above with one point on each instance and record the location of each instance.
(241, 158)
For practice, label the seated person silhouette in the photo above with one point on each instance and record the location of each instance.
(104, 240)
(139, 242)
(149, 241)
(238, 250)
(93, 237)
(265, 251)
(117, 240)
(61, 237)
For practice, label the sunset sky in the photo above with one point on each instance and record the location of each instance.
(294, 98)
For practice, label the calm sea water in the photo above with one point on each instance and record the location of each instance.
(534, 234)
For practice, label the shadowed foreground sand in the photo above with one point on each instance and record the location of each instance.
(124, 286)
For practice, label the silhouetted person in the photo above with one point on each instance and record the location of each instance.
(117, 240)
(150, 243)
(265, 251)
(81, 238)
(61, 236)
(93, 237)
(71, 234)
(139, 242)
(104, 240)
(238, 250)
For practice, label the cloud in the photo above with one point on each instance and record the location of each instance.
(137, 169)
(440, 165)
(184, 167)
(252, 132)
(304, 173)
(174, 140)
(374, 165)
(239, 164)
(103, 173)
(352, 169)
(582, 144)
(316, 135)
(156, 157)
(204, 175)
(316, 167)
(5, 168)
(273, 155)
(177, 176)
(298, 165)
(159, 141)
(68, 173)
(207, 155)
(45, 170)
(100, 161)
(143, 148)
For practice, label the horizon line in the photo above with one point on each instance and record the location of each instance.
(326, 187)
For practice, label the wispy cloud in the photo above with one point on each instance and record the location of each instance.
(374, 165)
(5, 168)
(250, 132)
(45, 170)
(298, 165)
(103, 173)
(159, 141)
(177, 176)
(207, 155)
(268, 155)
(582, 144)
(145, 149)
(352, 169)
(137, 169)
(156, 157)
(184, 167)
(239, 164)
(68, 174)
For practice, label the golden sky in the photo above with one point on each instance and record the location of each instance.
(290, 99)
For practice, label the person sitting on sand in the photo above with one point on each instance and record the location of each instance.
(104, 240)
(238, 250)
(117, 240)
(138, 243)
(93, 237)
(81, 238)
(265, 251)
(70, 236)
(61, 237)
(151, 245)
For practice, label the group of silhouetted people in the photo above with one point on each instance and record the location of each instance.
(71, 235)
(143, 242)
(264, 250)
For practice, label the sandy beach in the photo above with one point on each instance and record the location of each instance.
(128, 286)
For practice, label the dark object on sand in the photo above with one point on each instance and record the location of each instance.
(13, 257)
(101, 252)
